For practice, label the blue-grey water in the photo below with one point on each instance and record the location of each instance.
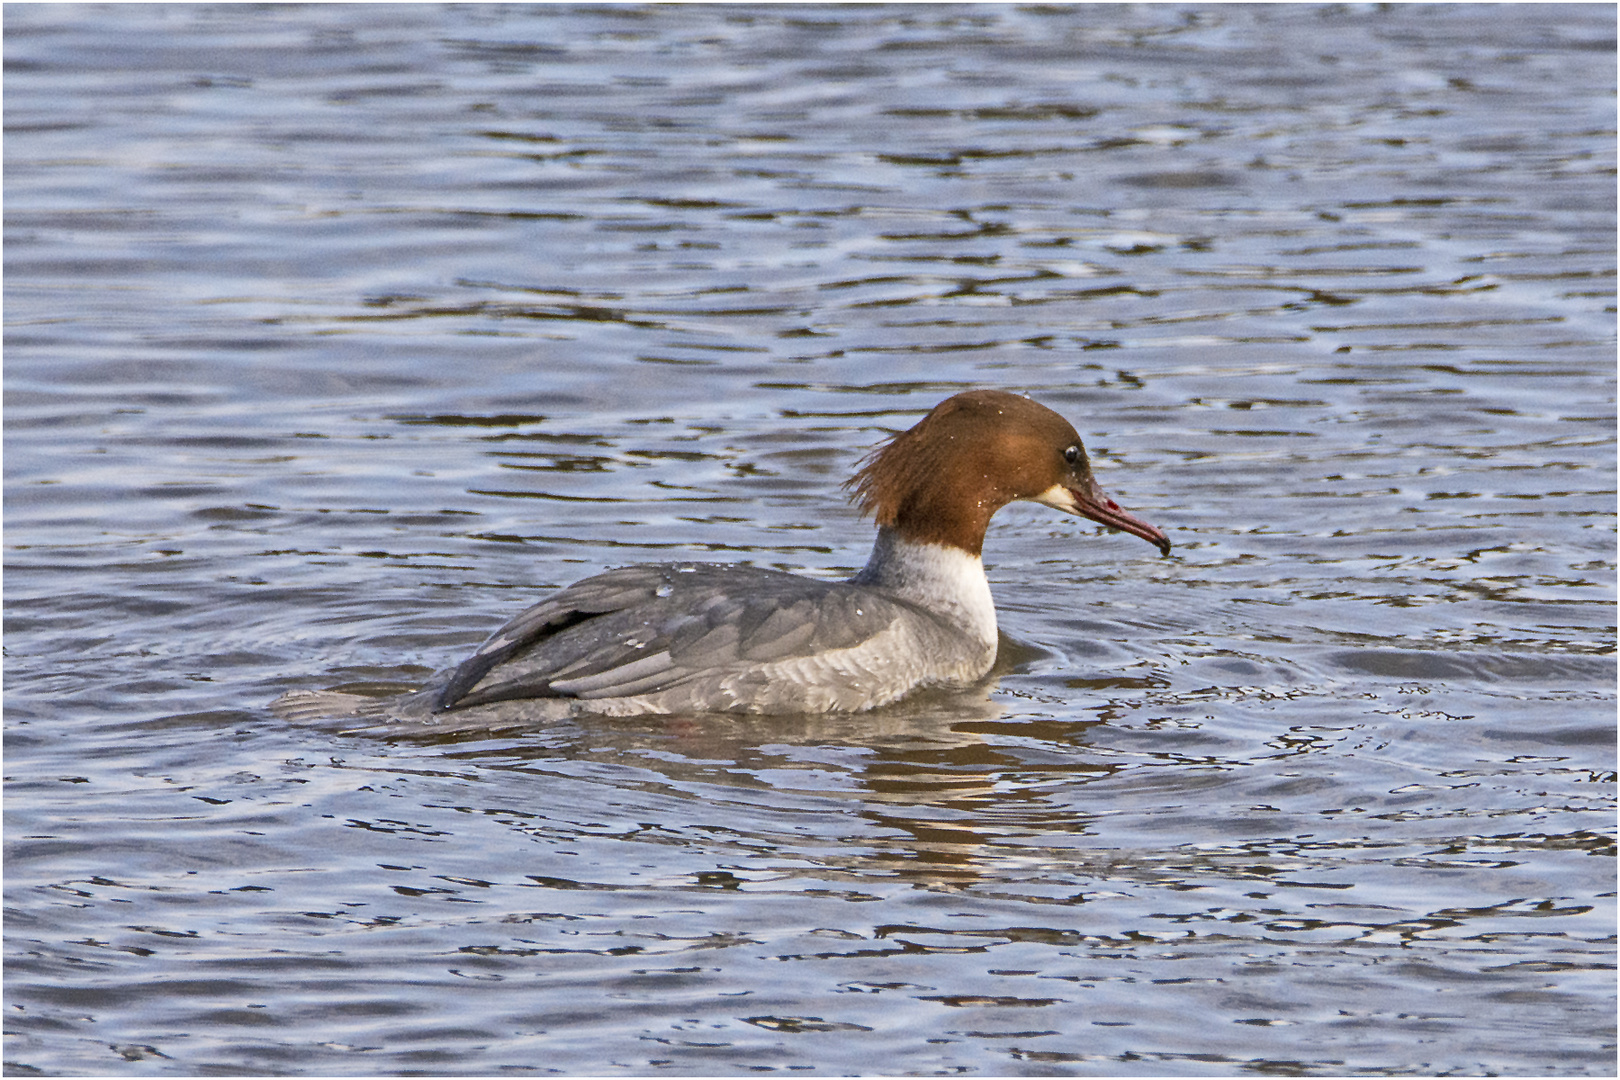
(335, 335)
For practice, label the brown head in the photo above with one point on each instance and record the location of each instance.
(941, 481)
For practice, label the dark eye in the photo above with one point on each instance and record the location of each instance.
(1072, 454)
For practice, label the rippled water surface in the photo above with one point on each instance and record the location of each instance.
(336, 335)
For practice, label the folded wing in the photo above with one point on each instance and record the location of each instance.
(646, 629)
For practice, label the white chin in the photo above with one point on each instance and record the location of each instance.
(1058, 497)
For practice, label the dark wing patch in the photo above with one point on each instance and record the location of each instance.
(585, 600)
(643, 629)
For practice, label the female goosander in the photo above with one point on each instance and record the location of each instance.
(692, 637)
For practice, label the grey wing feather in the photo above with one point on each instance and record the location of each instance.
(644, 629)
(585, 600)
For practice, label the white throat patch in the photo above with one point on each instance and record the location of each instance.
(941, 578)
